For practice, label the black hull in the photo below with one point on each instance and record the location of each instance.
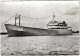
(28, 31)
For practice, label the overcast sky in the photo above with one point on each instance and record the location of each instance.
(64, 10)
(39, 0)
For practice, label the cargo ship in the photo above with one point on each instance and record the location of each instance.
(53, 28)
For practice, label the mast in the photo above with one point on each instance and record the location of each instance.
(53, 15)
(17, 17)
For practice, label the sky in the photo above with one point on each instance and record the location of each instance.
(64, 11)
(39, 0)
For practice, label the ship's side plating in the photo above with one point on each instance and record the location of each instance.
(29, 31)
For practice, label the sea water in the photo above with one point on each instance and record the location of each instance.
(40, 45)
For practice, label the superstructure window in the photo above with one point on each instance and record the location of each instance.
(55, 28)
(53, 25)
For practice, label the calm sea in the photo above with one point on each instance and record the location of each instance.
(31, 45)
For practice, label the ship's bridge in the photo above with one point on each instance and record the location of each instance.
(57, 25)
(53, 24)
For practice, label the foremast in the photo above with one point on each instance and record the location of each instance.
(17, 17)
